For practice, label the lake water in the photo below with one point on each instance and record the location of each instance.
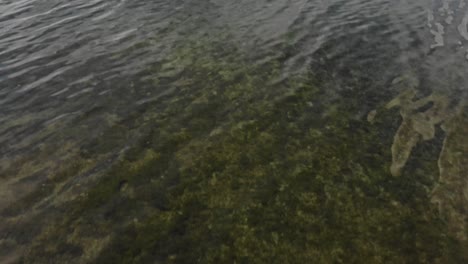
(71, 71)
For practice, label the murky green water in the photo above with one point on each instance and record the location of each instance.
(233, 132)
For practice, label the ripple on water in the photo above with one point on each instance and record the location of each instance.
(68, 68)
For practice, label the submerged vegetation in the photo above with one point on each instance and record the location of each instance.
(236, 164)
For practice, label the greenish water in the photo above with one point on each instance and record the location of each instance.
(222, 151)
(239, 165)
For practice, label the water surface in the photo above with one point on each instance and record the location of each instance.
(71, 71)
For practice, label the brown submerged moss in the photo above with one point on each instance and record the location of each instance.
(236, 167)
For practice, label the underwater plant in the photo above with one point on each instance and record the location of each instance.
(236, 164)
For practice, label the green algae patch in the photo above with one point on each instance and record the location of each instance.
(239, 165)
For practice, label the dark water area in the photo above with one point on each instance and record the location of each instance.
(104, 93)
(62, 59)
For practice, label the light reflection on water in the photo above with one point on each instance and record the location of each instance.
(71, 69)
(52, 52)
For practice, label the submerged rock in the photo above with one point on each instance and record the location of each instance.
(420, 118)
(451, 192)
(417, 125)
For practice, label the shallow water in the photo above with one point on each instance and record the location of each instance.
(59, 58)
(69, 70)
